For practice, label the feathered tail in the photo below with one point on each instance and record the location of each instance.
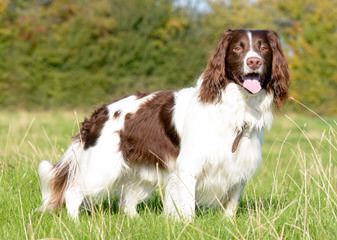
(56, 179)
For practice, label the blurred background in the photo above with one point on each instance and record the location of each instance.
(80, 53)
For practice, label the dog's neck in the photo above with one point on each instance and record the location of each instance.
(242, 108)
(254, 111)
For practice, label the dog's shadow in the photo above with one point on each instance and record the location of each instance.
(112, 206)
(246, 206)
(155, 205)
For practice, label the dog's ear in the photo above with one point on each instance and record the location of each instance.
(213, 77)
(279, 83)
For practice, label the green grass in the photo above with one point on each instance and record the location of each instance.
(292, 196)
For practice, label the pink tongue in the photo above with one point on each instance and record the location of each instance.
(253, 86)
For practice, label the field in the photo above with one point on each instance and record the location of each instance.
(292, 196)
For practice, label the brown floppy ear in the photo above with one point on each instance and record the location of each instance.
(214, 78)
(279, 83)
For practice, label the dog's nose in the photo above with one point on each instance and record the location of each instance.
(254, 62)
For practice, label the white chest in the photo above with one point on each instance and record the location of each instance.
(222, 171)
(207, 133)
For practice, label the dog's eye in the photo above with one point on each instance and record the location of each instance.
(237, 49)
(264, 48)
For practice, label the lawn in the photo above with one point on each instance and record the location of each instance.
(292, 196)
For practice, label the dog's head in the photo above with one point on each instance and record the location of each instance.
(252, 59)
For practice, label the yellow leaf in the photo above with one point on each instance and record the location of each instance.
(3, 5)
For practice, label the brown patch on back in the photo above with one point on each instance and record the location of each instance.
(149, 136)
(91, 127)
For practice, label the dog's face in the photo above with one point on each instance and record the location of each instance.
(252, 59)
(249, 60)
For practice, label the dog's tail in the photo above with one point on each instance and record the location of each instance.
(56, 179)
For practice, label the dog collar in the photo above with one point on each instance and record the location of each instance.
(238, 137)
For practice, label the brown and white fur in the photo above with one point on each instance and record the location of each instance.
(182, 140)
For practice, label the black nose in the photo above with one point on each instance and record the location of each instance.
(254, 62)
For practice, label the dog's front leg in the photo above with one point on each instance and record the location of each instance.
(234, 196)
(180, 192)
(187, 193)
(180, 195)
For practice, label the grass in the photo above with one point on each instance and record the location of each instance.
(292, 196)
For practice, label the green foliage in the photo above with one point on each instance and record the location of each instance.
(312, 38)
(80, 52)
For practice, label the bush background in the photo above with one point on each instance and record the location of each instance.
(80, 53)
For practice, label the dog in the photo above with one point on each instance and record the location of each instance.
(200, 144)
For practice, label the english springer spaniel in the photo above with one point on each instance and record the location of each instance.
(201, 144)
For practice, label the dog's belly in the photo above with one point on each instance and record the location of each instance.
(217, 178)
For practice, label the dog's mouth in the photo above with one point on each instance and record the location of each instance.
(252, 82)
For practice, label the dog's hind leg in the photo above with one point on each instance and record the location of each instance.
(132, 195)
(73, 200)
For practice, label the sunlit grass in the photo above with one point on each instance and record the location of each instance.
(292, 196)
